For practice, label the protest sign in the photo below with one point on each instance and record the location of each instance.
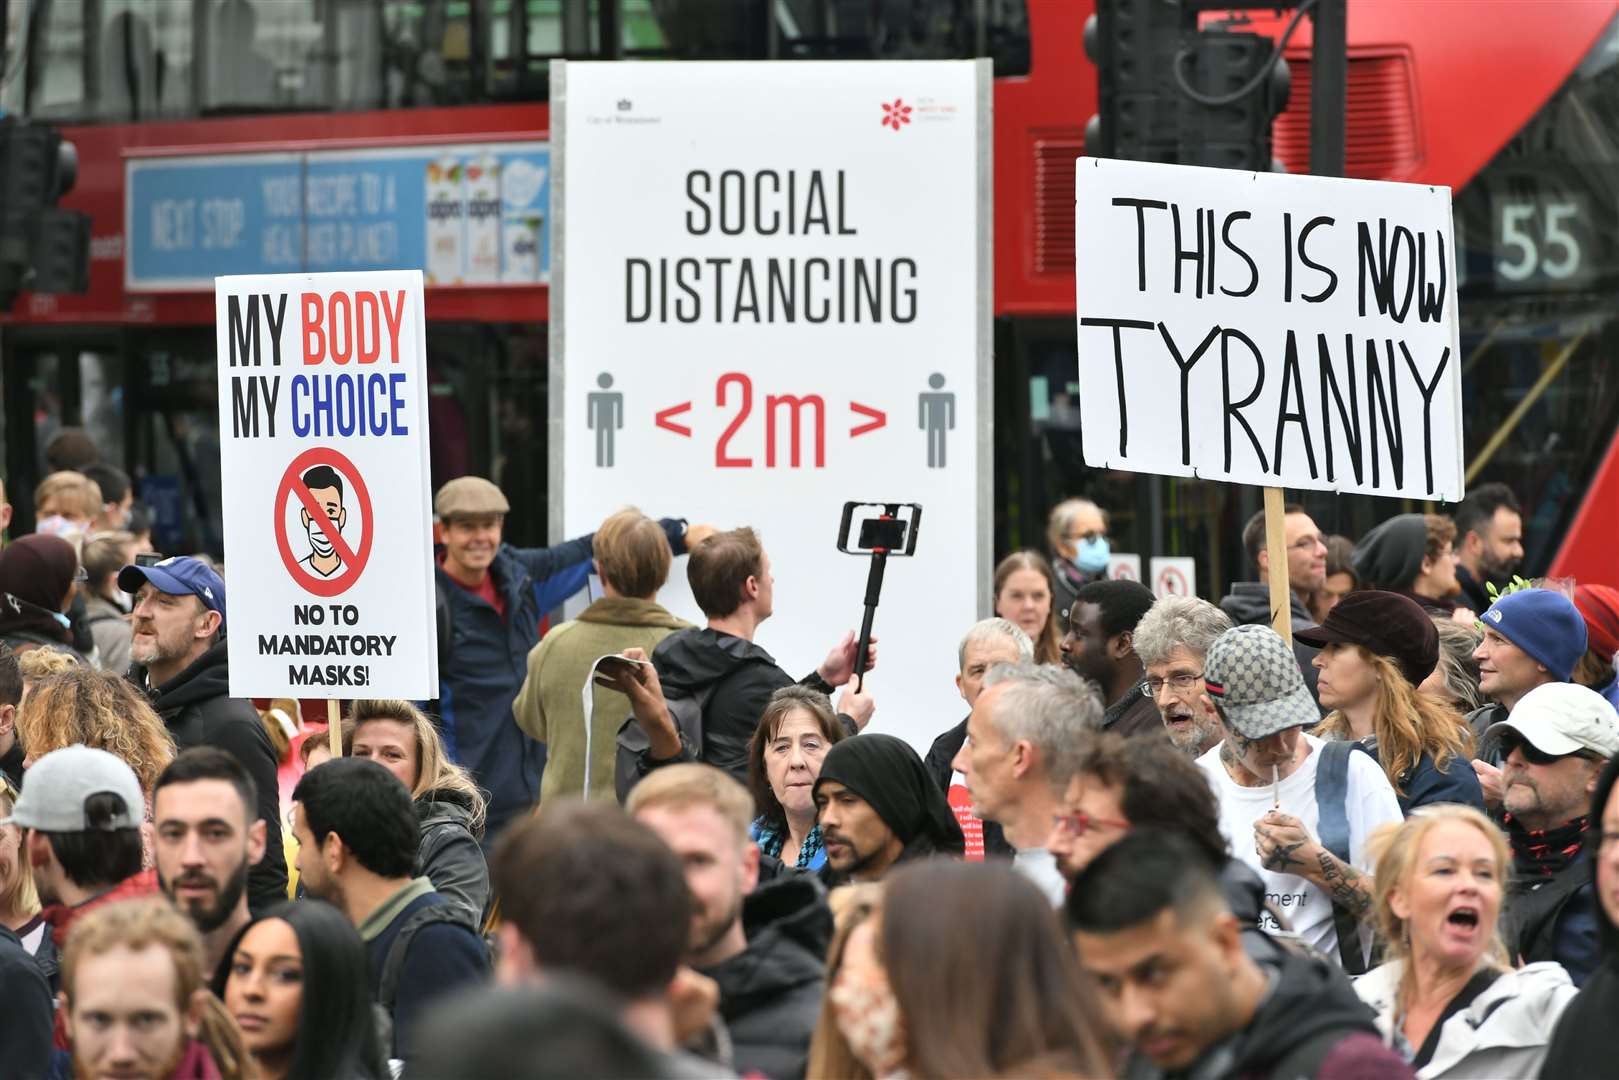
(328, 522)
(1260, 328)
(1173, 575)
(791, 311)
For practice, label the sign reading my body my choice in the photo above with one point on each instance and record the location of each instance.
(323, 443)
(1284, 331)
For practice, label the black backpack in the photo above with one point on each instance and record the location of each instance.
(632, 763)
(1331, 796)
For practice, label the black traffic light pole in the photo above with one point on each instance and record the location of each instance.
(1329, 80)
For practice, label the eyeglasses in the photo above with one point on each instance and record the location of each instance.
(1305, 543)
(1079, 823)
(1179, 683)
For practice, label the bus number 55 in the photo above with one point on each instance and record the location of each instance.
(1534, 239)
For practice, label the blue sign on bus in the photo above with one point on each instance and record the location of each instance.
(469, 214)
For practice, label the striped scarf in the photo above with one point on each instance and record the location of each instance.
(772, 838)
(1544, 852)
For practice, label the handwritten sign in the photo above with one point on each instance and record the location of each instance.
(1259, 328)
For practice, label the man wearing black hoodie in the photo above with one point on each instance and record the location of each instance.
(180, 664)
(1152, 927)
(730, 579)
(764, 945)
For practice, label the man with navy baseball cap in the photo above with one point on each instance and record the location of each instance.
(181, 664)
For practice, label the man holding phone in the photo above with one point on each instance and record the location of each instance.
(730, 579)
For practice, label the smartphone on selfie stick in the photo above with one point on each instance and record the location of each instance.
(885, 529)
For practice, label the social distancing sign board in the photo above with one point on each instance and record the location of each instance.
(328, 520)
(771, 295)
(1283, 331)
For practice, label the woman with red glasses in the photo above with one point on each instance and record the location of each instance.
(1123, 783)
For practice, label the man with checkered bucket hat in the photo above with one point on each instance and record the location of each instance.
(1296, 809)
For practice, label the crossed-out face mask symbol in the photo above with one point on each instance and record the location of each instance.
(325, 486)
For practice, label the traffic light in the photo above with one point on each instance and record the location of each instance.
(1171, 91)
(42, 247)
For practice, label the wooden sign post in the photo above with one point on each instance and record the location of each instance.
(1281, 603)
(334, 720)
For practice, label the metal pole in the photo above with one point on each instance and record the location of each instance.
(1329, 79)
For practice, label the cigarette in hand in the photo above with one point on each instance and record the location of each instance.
(1276, 787)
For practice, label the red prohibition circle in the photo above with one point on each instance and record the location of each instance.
(292, 485)
(1172, 581)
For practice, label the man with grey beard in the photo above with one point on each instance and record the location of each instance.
(1171, 640)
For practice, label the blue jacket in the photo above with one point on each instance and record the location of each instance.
(439, 958)
(1425, 783)
(486, 659)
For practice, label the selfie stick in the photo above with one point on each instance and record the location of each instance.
(886, 534)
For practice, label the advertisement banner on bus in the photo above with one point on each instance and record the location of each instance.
(328, 521)
(465, 215)
(790, 312)
(1260, 328)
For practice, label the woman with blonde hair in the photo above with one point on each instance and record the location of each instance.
(1376, 649)
(449, 806)
(19, 900)
(1445, 996)
(96, 709)
(1025, 594)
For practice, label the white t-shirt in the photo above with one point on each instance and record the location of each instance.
(1040, 867)
(1371, 802)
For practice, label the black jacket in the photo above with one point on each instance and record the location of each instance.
(1308, 1016)
(1248, 604)
(27, 1020)
(940, 755)
(449, 854)
(770, 995)
(1582, 1043)
(1473, 593)
(1133, 714)
(199, 711)
(688, 661)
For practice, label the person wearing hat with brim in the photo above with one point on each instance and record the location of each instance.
(1532, 637)
(1376, 649)
(182, 664)
(1555, 745)
(1266, 774)
(491, 599)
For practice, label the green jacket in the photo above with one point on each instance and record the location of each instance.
(550, 707)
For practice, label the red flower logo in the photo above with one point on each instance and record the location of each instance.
(896, 114)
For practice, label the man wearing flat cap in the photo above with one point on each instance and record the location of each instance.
(878, 806)
(491, 599)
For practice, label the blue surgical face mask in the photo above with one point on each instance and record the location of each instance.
(1091, 555)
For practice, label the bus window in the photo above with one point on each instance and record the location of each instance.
(139, 64)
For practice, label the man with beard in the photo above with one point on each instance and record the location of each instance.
(1489, 541)
(1554, 745)
(764, 947)
(1278, 800)
(1171, 640)
(181, 664)
(208, 835)
(357, 842)
(877, 806)
(1100, 646)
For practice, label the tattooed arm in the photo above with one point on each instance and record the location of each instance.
(1349, 888)
(1285, 846)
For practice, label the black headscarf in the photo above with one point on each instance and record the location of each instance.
(888, 774)
(36, 574)
(1583, 1042)
(1390, 556)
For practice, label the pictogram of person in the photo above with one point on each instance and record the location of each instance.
(936, 414)
(325, 486)
(604, 414)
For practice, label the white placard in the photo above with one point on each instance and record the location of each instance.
(1173, 575)
(328, 521)
(1124, 567)
(771, 295)
(1285, 331)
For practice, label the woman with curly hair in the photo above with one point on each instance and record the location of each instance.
(99, 710)
(449, 807)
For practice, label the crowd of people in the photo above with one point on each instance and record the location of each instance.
(1163, 840)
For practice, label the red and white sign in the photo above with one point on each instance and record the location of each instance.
(791, 311)
(1122, 567)
(328, 520)
(1173, 575)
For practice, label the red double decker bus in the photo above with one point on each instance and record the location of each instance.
(235, 136)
